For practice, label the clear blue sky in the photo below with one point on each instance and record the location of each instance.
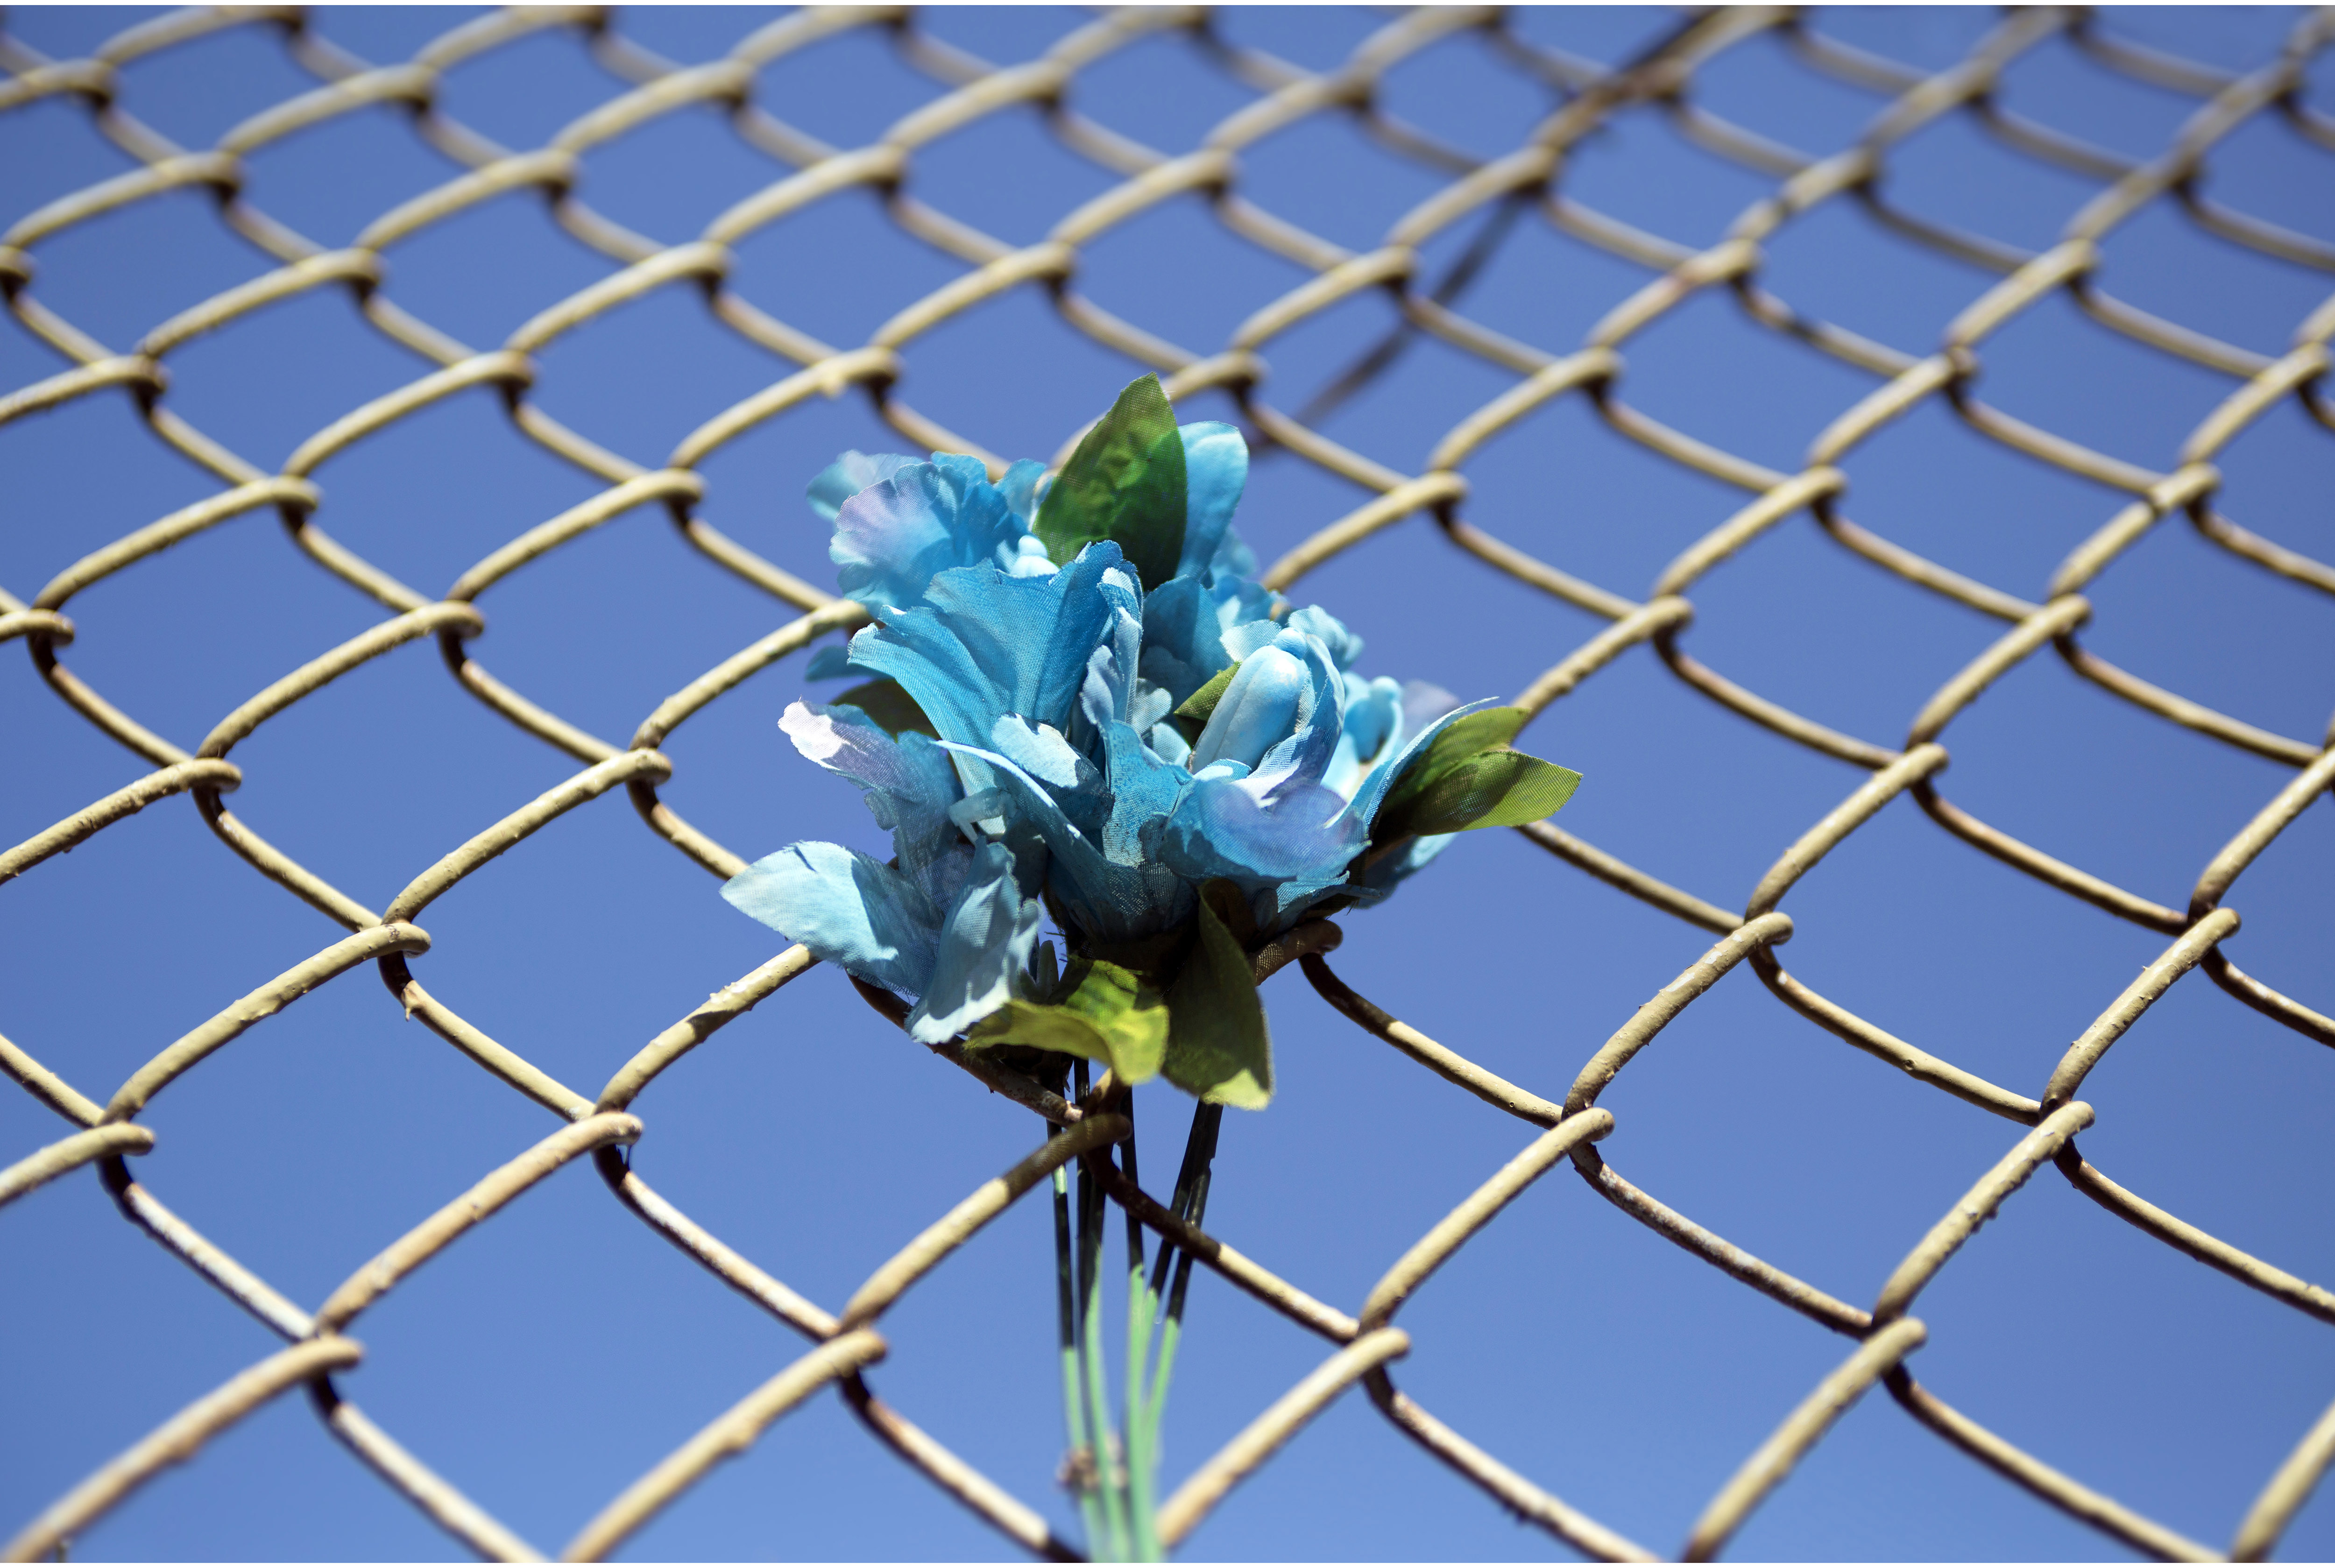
(545, 1361)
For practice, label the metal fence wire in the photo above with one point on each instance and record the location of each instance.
(1363, 1343)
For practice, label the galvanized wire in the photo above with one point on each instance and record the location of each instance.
(1530, 181)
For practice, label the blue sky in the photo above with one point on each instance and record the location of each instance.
(545, 1361)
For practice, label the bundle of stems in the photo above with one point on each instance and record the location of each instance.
(1113, 1471)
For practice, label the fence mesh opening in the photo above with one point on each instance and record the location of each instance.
(1447, 415)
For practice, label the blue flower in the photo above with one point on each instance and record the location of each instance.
(1100, 750)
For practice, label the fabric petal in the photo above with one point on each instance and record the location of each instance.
(848, 475)
(851, 910)
(1367, 798)
(910, 785)
(986, 947)
(893, 537)
(1215, 471)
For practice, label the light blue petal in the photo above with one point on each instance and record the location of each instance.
(1304, 757)
(894, 537)
(1020, 488)
(1373, 730)
(1279, 853)
(1394, 867)
(985, 946)
(1257, 712)
(1343, 645)
(1215, 471)
(848, 475)
(986, 644)
(910, 785)
(1185, 625)
(851, 910)
(1109, 898)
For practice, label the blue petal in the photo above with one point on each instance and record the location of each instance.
(1343, 645)
(1112, 884)
(985, 948)
(1373, 729)
(1304, 757)
(988, 645)
(1394, 867)
(910, 785)
(894, 537)
(848, 475)
(1281, 853)
(851, 910)
(1185, 621)
(1257, 712)
(1215, 471)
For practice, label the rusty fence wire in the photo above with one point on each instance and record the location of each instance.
(107, 1129)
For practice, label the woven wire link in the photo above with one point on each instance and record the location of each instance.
(1529, 179)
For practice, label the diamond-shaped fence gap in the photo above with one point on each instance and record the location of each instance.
(629, 180)
(1178, 273)
(572, 1343)
(71, 155)
(329, 181)
(1282, 174)
(2005, 519)
(2272, 174)
(196, 93)
(239, 1513)
(198, 608)
(326, 1085)
(524, 983)
(839, 269)
(1763, 85)
(264, 384)
(2281, 625)
(1007, 176)
(1165, 88)
(1538, 285)
(1639, 167)
(1462, 91)
(1837, 264)
(483, 272)
(977, 370)
(2131, 1337)
(1951, 174)
(86, 272)
(521, 93)
(2052, 368)
(847, 88)
(1810, 666)
(639, 377)
(426, 496)
(2162, 261)
(2060, 88)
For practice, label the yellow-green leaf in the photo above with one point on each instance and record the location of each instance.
(1468, 777)
(1105, 1014)
(1218, 1044)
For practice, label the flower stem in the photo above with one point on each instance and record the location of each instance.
(1081, 1467)
(1191, 1203)
(1141, 1304)
(1115, 1541)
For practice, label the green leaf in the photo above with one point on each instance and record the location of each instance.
(1218, 1044)
(1124, 483)
(887, 703)
(1202, 702)
(1468, 777)
(1105, 1014)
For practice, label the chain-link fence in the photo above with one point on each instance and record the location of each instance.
(1526, 187)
